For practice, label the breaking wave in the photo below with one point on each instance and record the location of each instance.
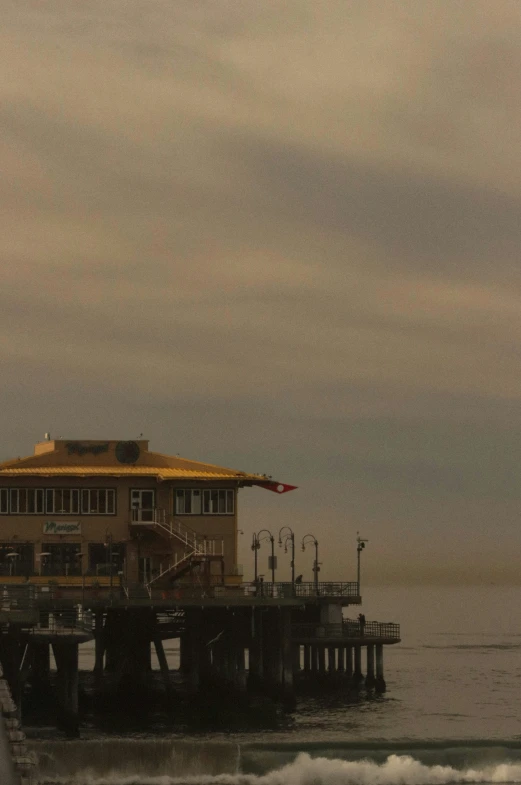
(308, 770)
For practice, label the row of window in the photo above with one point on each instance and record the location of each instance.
(57, 501)
(61, 559)
(102, 501)
(192, 501)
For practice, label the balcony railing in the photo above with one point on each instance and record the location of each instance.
(148, 515)
(348, 629)
(307, 589)
(371, 629)
(15, 596)
(65, 622)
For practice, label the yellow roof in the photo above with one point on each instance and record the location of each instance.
(163, 473)
(112, 458)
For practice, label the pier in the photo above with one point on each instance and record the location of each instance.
(108, 542)
(269, 639)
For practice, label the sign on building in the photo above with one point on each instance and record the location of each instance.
(62, 527)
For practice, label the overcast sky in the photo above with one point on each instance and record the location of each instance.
(283, 237)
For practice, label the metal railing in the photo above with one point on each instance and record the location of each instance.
(307, 589)
(148, 515)
(17, 597)
(195, 543)
(348, 629)
(63, 622)
(370, 629)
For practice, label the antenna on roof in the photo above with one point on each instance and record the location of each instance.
(140, 436)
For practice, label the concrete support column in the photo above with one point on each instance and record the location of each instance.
(307, 658)
(370, 680)
(357, 675)
(256, 665)
(41, 667)
(183, 653)
(241, 675)
(314, 658)
(380, 681)
(286, 655)
(163, 664)
(193, 643)
(322, 660)
(66, 656)
(296, 659)
(272, 654)
(331, 660)
(99, 645)
(110, 641)
(341, 660)
(349, 663)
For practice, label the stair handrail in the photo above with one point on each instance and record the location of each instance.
(171, 567)
(177, 528)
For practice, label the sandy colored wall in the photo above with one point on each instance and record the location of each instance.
(96, 528)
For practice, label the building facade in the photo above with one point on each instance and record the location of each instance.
(92, 509)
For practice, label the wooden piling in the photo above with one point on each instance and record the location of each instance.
(331, 660)
(349, 663)
(370, 680)
(358, 675)
(99, 645)
(286, 654)
(341, 660)
(66, 656)
(380, 684)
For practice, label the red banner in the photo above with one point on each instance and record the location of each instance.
(277, 487)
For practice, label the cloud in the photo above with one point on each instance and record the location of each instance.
(276, 237)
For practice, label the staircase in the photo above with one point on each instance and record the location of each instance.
(197, 549)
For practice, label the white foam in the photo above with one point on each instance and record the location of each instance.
(305, 770)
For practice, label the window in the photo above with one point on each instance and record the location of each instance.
(61, 558)
(188, 501)
(26, 501)
(62, 501)
(57, 501)
(16, 558)
(98, 501)
(192, 501)
(143, 505)
(218, 502)
(4, 501)
(104, 554)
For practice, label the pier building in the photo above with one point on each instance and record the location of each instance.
(105, 508)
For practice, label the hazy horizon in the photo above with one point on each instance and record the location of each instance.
(283, 238)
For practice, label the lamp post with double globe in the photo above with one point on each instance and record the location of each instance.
(286, 535)
(310, 538)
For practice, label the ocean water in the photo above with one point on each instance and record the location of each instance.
(451, 714)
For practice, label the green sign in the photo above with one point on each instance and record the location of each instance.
(62, 527)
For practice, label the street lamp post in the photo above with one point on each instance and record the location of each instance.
(316, 567)
(80, 556)
(44, 555)
(108, 543)
(286, 534)
(271, 538)
(360, 545)
(255, 545)
(13, 557)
